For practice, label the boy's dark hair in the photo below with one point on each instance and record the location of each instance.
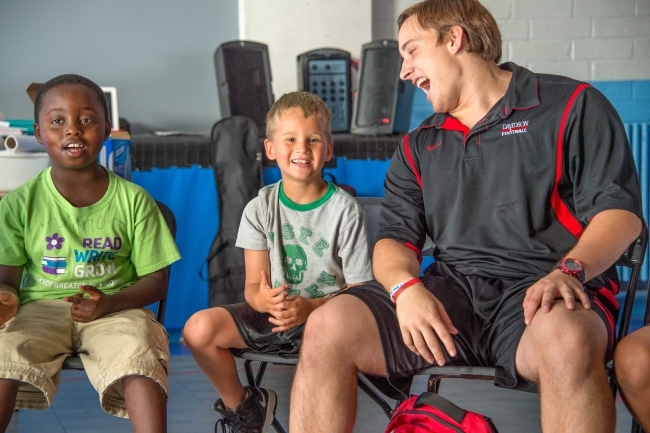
(69, 79)
(308, 103)
(483, 35)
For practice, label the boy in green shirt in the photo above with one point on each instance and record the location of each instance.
(82, 252)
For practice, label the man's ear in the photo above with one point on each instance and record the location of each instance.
(268, 146)
(456, 39)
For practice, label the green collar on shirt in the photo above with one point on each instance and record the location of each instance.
(308, 206)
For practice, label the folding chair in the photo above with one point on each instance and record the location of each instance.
(73, 362)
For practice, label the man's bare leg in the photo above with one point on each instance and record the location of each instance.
(8, 392)
(564, 351)
(632, 366)
(340, 339)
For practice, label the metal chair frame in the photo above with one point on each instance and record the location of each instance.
(73, 362)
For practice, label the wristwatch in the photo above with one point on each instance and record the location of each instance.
(572, 267)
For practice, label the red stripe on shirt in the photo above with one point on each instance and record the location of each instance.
(407, 151)
(562, 212)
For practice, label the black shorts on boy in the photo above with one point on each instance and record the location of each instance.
(256, 331)
(488, 314)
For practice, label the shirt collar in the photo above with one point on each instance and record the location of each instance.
(522, 94)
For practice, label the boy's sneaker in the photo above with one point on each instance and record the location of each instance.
(253, 415)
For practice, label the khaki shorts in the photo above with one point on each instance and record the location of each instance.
(37, 340)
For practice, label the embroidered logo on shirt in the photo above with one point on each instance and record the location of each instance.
(514, 128)
(433, 146)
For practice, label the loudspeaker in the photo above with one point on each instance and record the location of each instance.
(244, 80)
(383, 103)
(326, 73)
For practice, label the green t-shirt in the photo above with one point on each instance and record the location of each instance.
(107, 245)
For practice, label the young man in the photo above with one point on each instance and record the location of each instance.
(304, 240)
(526, 184)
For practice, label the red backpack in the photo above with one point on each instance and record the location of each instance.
(431, 413)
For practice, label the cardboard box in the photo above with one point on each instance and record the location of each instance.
(32, 90)
(116, 152)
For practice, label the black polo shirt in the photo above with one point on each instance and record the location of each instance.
(511, 196)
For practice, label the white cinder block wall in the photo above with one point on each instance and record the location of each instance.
(591, 40)
(292, 27)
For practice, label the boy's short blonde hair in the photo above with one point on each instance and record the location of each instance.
(308, 103)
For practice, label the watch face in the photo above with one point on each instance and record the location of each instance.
(572, 265)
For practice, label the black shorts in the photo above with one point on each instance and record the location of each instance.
(488, 314)
(255, 329)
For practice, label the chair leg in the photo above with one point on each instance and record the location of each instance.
(260, 373)
(277, 426)
(249, 372)
(383, 404)
(254, 379)
(433, 384)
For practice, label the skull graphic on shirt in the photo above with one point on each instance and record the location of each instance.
(294, 263)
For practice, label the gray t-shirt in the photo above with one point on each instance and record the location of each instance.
(315, 248)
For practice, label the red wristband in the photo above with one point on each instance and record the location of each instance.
(398, 289)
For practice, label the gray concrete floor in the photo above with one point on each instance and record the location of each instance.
(76, 406)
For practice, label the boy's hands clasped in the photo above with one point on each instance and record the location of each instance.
(293, 311)
(286, 311)
(87, 309)
(267, 296)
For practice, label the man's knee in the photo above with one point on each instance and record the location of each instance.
(337, 325)
(573, 338)
(326, 322)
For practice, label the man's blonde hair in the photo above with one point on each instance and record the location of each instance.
(307, 103)
(483, 35)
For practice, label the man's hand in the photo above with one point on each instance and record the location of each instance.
(86, 309)
(268, 297)
(544, 292)
(293, 311)
(8, 306)
(421, 317)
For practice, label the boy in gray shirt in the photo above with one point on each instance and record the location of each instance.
(304, 240)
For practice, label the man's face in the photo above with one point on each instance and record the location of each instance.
(429, 65)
